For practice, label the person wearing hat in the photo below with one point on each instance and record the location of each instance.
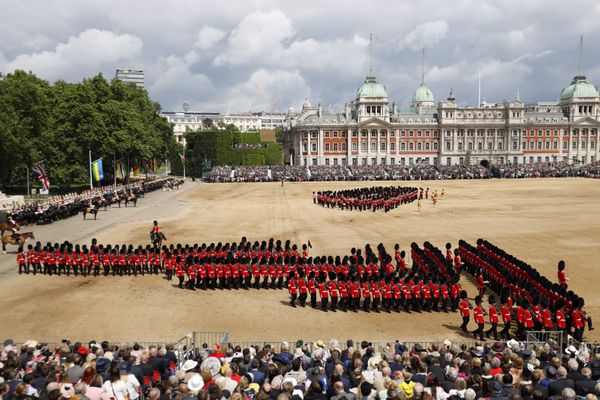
(131, 382)
(465, 310)
(493, 315)
(505, 311)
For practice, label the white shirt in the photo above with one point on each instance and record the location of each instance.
(117, 389)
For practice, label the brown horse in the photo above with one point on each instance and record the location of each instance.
(4, 227)
(93, 209)
(8, 239)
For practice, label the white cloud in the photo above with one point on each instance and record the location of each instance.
(427, 34)
(267, 88)
(81, 55)
(257, 37)
(208, 36)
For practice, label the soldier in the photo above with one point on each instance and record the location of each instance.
(562, 275)
(465, 310)
(293, 289)
(493, 315)
(324, 295)
(506, 318)
(312, 289)
(180, 275)
(478, 317)
(302, 289)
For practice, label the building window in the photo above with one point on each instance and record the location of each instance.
(383, 161)
(479, 146)
(565, 145)
(461, 160)
(448, 146)
(326, 134)
(490, 146)
(418, 145)
(411, 146)
(392, 161)
(354, 146)
(392, 146)
(403, 146)
(539, 145)
(335, 161)
(304, 147)
(427, 145)
(470, 146)
(574, 145)
(335, 133)
(363, 147)
(314, 161)
(499, 145)
(592, 144)
(313, 147)
(355, 161)
(435, 145)
(402, 161)
(335, 147)
(382, 146)
(354, 134)
(514, 144)
(373, 161)
(547, 145)
(448, 161)
(326, 146)
(460, 146)
(343, 146)
(327, 161)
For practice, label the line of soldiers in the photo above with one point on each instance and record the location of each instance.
(374, 198)
(66, 258)
(541, 304)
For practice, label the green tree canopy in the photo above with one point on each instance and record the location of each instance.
(59, 123)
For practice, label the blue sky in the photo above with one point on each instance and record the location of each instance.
(257, 55)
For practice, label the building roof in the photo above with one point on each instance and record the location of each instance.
(579, 87)
(422, 94)
(371, 88)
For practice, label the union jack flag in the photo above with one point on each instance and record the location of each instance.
(41, 175)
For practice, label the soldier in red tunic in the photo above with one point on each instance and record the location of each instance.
(493, 315)
(293, 289)
(478, 317)
(506, 318)
(465, 310)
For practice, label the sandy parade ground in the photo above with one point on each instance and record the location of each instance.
(538, 220)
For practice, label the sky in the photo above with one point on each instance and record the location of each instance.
(262, 55)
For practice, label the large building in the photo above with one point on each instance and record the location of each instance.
(370, 131)
(186, 120)
(258, 121)
(129, 75)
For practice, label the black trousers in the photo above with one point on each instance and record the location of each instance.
(493, 330)
(465, 322)
(505, 332)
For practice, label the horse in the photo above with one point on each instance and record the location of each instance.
(131, 199)
(116, 198)
(92, 209)
(157, 239)
(8, 239)
(4, 227)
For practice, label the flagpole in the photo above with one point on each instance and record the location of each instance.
(28, 192)
(115, 165)
(90, 157)
(183, 161)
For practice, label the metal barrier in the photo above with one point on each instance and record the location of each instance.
(539, 338)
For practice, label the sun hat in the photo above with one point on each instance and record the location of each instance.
(188, 365)
(195, 383)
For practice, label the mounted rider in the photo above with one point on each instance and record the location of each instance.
(154, 232)
(14, 227)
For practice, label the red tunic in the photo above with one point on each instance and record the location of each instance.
(464, 308)
(478, 314)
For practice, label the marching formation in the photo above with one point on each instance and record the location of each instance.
(371, 280)
(366, 199)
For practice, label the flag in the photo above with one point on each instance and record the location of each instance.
(145, 165)
(41, 175)
(136, 167)
(97, 170)
(182, 157)
(120, 167)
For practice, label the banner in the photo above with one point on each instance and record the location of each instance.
(41, 175)
(97, 170)
(135, 167)
(120, 167)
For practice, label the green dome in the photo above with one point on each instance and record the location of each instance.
(371, 88)
(422, 94)
(579, 87)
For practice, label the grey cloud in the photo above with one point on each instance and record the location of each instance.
(211, 53)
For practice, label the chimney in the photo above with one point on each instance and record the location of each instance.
(319, 110)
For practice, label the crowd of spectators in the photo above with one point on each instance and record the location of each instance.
(301, 371)
(400, 172)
